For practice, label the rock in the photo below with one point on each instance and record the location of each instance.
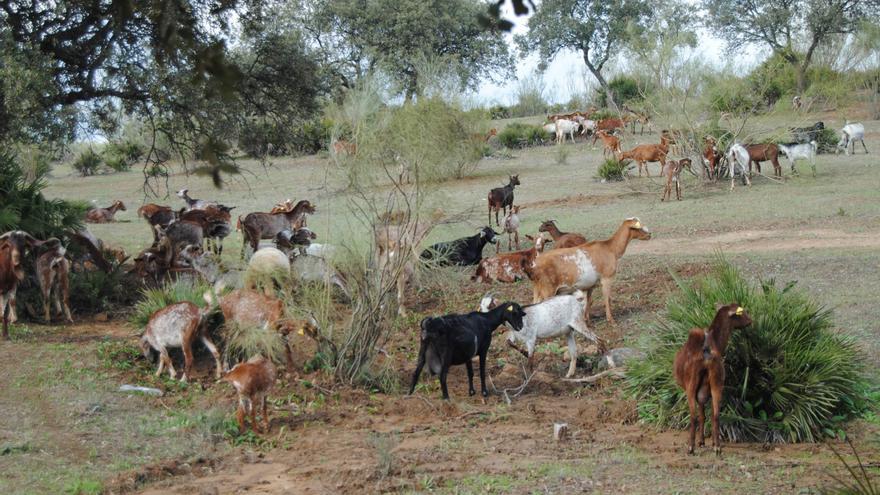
(615, 358)
(143, 390)
(560, 431)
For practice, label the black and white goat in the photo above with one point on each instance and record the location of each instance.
(796, 151)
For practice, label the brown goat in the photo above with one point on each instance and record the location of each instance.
(177, 325)
(13, 246)
(699, 369)
(215, 221)
(343, 147)
(53, 272)
(501, 198)
(761, 153)
(561, 239)
(259, 225)
(157, 215)
(672, 171)
(104, 215)
(610, 125)
(645, 153)
(711, 155)
(509, 267)
(250, 308)
(610, 142)
(252, 381)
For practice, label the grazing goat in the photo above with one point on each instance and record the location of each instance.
(610, 143)
(645, 153)
(194, 204)
(316, 269)
(566, 127)
(699, 370)
(210, 267)
(53, 272)
(104, 215)
(249, 308)
(711, 156)
(177, 325)
(851, 133)
(738, 157)
(266, 267)
(806, 134)
(252, 381)
(395, 254)
(761, 153)
(550, 128)
(610, 124)
(561, 239)
(456, 339)
(559, 316)
(215, 221)
(510, 226)
(13, 246)
(584, 266)
(501, 198)
(259, 225)
(509, 267)
(463, 252)
(157, 215)
(795, 151)
(672, 171)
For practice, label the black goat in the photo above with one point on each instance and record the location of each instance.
(501, 198)
(288, 239)
(455, 339)
(807, 134)
(463, 252)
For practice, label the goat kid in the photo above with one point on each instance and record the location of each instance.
(177, 325)
(510, 226)
(672, 171)
(252, 380)
(561, 239)
(53, 273)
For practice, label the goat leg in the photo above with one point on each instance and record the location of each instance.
(4, 308)
(484, 391)
(470, 374)
(419, 366)
(265, 413)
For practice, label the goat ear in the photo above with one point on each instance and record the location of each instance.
(718, 306)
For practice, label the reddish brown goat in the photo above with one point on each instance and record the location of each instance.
(259, 225)
(509, 267)
(672, 171)
(610, 125)
(711, 155)
(610, 142)
(343, 147)
(501, 198)
(699, 370)
(252, 381)
(157, 215)
(215, 221)
(53, 272)
(561, 239)
(13, 246)
(761, 153)
(104, 215)
(645, 153)
(250, 308)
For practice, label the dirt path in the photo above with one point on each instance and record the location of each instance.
(759, 240)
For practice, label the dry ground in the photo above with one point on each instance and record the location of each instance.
(65, 428)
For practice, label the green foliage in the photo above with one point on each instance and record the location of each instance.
(772, 80)
(153, 300)
(603, 114)
(530, 97)
(87, 163)
(119, 354)
(499, 112)
(243, 343)
(262, 137)
(519, 135)
(96, 291)
(731, 95)
(121, 155)
(826, 140)
(612, 169)
(625, 90)
(789, 377)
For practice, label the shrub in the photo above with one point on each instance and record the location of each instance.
(120, 156)
(519, 135)
(789, 377)
(731, 95)
(612, 169)
(773, 79)
(153, 300)
(499, 112)
(87, 163)
(242, 343)
(624, 88)
(826, 140)
(602, 114)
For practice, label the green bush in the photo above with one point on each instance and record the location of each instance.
(826, 140)
(612, 169)
(499, 112)
(789, 376)
(602, 115)
(625, 90)
(519, 135)
(266, 137)
(772, 80)
(87, 163)
(153, 300)
(731, 95)
(120, 156)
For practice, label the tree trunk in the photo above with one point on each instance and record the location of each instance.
(609, 99)
(801, 69)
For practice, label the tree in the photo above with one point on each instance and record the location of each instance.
(657, 48)
(793, 29)
(598, 29)
(359, 36)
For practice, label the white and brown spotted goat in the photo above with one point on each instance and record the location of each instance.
(53, 273)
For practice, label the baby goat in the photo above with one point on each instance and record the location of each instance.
(177, 325)
(672, 171)
(53, 271)
(511, 228)
(699, 369)
(455, 339)
(252, 380)
(559, 316)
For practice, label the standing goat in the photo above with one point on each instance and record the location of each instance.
(104, 215)
(561, 239)
(699, 369)
(13, 246)
(193, 204)
(177, 325)
(53, 272)
(795, 151)
(501, 198)
(738, 157)
(511, 228)
(851, 133)
(672, 171)
(252, 381)
(259, 225)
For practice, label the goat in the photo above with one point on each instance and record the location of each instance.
(194, 204)
(561, 239)
(252, 381)
(738, 156)
(342, 147)
(699, 369)
(13, 246)
(796, 102)
(267, 266)
(177, 236)
(645, 153)
(249, 308)
(851, 133)
(566, 127)
(609, 142)
(550, 128)
(104, 215)
(456, 339)
(509, 267)
(210, 267)
(177, 325)
(316, 269)
(672, 171)
(157, 215)
(806, 134)
(711, 156)
(463, 252)
(501, 198)
(610, 124)
(215, 221)
(287, 240)
(395, 239)
(53, 272)
(795, 151)
(763, 152)
(584, 266)
(559, 316)
(510, 227)
(259, 225)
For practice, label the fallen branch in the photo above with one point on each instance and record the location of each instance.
(613, 373)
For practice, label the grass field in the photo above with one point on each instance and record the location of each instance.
(66, 429)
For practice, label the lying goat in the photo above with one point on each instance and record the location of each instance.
(559, 316)
(455, 339)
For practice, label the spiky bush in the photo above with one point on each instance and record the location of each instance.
(242, 343)
(612, 169)
(519, 135)
(789, 377)
(153, 300)
(87, 163)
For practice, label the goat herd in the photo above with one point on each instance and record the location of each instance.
(563, 278)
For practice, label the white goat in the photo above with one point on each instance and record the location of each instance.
(511, 228)
(738, 157)
(209, 266)
(550, 128)
(267, 266)
(564, 127)
(316, 269)
(588, 125)
(559, 316)
(851, 133)
(795, 151)
(321, 250)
